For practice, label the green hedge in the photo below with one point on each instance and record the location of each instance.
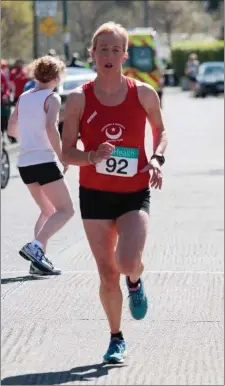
(206, 51)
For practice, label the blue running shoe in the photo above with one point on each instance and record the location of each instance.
(36, 255)
(116, 352)
(138, 301)
(36, 271)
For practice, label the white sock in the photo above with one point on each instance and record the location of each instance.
(36, 243)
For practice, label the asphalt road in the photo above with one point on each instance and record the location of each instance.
(54, 330)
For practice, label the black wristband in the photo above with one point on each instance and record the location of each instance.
(159, 158)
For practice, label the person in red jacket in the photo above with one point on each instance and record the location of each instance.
(115, 173)
(5, 105)
(18, 77)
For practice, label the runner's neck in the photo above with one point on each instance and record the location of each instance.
(111, 85)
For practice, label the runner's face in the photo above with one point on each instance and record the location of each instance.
(109, 54)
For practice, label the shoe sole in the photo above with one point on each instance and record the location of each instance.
(45, 274)
(28, 257)
(114, 361)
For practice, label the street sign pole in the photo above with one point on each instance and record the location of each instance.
(65, 29)
(35, 32)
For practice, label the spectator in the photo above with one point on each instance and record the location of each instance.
(5, 106)
(31, 81)
(52, 52)
(191, 70)
(5, 68)
(18, 77)
(75, 62)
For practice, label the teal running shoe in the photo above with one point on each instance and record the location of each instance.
(138, 301)
(116, 352)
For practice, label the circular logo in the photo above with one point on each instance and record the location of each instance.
(113, 131)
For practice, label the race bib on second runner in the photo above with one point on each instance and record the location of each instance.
(123, 162)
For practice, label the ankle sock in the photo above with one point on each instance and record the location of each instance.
(117, 335)
(36, 243)
(133, 285)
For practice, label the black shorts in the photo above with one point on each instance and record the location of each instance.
(100, 205)
(4, 123)
(192, 78)
(41, 173)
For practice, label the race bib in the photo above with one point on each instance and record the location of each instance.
(123, 162)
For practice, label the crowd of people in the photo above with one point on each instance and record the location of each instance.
(116, 175)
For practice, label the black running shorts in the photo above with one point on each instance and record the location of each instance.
(100, 205)
(41, 173)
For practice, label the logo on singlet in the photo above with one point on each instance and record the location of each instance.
(92, 116)
(113, 131)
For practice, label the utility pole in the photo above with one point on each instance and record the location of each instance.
(66, 35)
(35, 31)
(145, 13)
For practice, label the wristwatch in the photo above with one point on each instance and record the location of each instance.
(159, 157)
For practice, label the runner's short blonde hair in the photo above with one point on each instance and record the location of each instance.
(110, 26)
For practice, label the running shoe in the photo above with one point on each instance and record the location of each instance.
(36, 255)
(116, 352)
(138, 301)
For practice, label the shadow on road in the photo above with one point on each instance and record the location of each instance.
(81, 373)
(22, 278)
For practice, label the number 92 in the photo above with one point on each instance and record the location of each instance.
(112, 165)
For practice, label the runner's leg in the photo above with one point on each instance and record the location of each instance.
(58, 195)
(47, 209)
(132, 228)
(102, 238)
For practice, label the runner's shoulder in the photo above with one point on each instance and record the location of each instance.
(77, 97)
(146, 93)
(144, 87)
(56, 97)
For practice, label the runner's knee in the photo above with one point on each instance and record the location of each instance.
(66, 208)
(48, 211)
(128, 265)
(109, 279)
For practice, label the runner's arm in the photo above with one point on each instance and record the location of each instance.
(151, 103)
(52, 106)
(12, 129)
(73, 111)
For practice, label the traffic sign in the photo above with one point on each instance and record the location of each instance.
(46, 8)
(48, 26)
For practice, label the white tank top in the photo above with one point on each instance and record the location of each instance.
(35, 147)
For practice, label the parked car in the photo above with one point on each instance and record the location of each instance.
(210, 79)
(73, 78)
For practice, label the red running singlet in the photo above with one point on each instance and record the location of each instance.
(123, 126)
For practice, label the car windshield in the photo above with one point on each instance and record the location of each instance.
(211, 70)
(79, 71)
(71, 84)
(141, 58)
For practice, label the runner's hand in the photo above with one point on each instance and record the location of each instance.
(65, 167)
(155, 173)
(104, 151)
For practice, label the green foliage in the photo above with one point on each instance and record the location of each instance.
(124, 3)
(212, 5)
(206, 51)
(16, 29)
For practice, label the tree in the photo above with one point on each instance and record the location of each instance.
(178, 16)
(89, 15)
(16, 29)
(212, 5)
